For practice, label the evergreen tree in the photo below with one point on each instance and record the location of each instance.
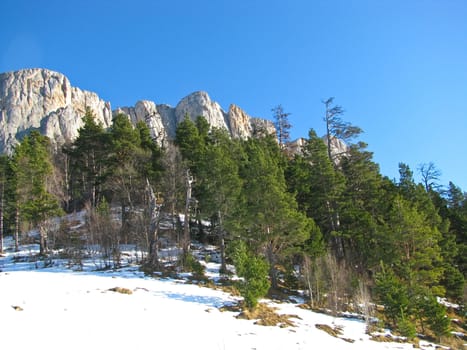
(415, 249)
(254, 271)
(32, 167)
(191, 140)
(125, 162)
(363, 207)
(336, 127)
(326, 186)
(4, 177)
(456, 212)
(392, 293)
(282, 124)
(220, 184)
(89, 162)
(271, 220)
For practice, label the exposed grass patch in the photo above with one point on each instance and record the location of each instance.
(121, 290)
(387, 338)
(267, 316)
(335, 331)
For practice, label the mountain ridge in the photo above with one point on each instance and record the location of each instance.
(45, 100)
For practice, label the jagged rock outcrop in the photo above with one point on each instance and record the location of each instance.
(240, 124)
(339, 148)
(163, 119)
(199, 104)
(148, 112)
(44, 100)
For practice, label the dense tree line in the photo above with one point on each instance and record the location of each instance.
(326, 222)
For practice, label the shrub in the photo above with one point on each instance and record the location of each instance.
(190, 264)
(406, 327)
(254, 271)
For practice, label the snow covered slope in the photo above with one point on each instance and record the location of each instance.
(56, 308)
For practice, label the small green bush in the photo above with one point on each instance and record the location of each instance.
(406, 327)
(254, 271)
(190, 264)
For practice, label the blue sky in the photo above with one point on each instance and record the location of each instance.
(397, 67)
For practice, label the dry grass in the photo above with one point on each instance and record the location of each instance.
(267, 316)
(230, 289)
(387, 338)
(121, 290)
(335, 331)
(263, 314)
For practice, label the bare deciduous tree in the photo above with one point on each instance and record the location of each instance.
(430, 176)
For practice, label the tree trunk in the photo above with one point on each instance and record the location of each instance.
(17, 230)
(154, 210)
(186, 224)
(43, 244)
(222, 244)
(272, 262)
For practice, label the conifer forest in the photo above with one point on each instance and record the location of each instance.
(314, 218)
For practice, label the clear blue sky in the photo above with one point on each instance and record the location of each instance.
(397, 67)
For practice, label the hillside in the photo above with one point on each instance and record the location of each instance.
(56, 307)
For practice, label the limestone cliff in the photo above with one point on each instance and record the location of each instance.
(44, 100)
(163, 119)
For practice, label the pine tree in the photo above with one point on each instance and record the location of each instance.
(336, 128)
(219, 185)
(32, 167)
(282, 124)
(271, 220)
(392, 293)
(89, 162)
(415, 246)
(4, 170)
(254, 271)
(363, 207)
(326, 189)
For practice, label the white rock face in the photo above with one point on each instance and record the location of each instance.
(163, 119)
(146, 111)
(240, 122)
(199, 104)
(44, 100)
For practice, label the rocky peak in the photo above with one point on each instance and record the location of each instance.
(44, 100)
(199, 104)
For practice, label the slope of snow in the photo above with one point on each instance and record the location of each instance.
(55, 308)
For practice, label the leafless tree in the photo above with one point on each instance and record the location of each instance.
(430, 176)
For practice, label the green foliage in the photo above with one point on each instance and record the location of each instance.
(270, 219)
(282, 124)
(33, 170)
(190, 264)
(437, 319)
(254, 271)
(392, 293)
(406, 327)
(191, 140)
(88, 162)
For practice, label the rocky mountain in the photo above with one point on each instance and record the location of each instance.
(163, 119)
(45, 100)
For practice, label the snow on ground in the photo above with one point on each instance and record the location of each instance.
(56, 308)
